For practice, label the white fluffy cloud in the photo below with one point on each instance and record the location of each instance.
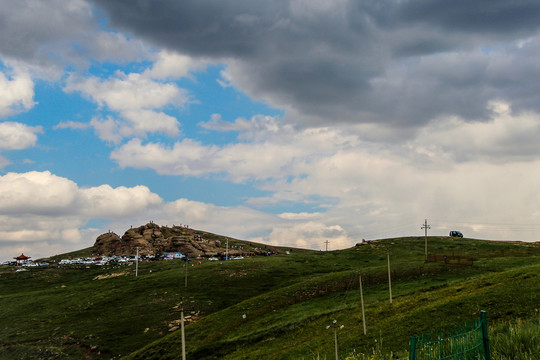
(117, 202)
(71, 125)
(310, 235)
(273, 151)
(37, 193)
(16, 136)
(115, 46)
(45, 210)
(187, 157)
(45, 194)
(134, 123)
(236, 221)
(137, 99)
(126, 92)
(16, 93)
(171, 65)
(505, 137)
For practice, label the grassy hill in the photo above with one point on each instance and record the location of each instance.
(287, 300)
(86, 252)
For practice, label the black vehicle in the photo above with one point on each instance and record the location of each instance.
(456, 234)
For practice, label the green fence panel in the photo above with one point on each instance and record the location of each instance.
(468, 341)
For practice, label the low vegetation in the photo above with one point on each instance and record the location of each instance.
(275, 307)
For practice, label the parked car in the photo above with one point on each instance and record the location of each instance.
(454, 233)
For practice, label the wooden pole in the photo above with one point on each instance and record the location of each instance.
(335, 326)
(137, 263)
(425, 227)
(182, 331)
(362, 301)
(425, 237)
(335, 342)
(389, 278)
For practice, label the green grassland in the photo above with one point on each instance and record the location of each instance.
(269, 307)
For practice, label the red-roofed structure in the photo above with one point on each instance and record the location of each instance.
(21, 259)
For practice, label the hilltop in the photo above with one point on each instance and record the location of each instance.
(271, 307)
(152, 239)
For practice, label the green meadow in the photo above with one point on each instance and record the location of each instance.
(274, 307)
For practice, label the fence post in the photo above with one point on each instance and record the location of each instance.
(485, 337)
(412, 348)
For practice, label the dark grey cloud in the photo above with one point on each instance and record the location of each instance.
(397, 62)
(499, 17)
(54, 33)
(206, 27)
(30, 29)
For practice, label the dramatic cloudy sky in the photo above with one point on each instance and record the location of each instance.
(290, 122)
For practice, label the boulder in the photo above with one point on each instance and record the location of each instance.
(107, 243)
(152, 239)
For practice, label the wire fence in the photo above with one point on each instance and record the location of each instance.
(466, 342)
(451, 259)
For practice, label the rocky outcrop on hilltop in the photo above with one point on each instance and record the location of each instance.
(152, 239)
(107, 243)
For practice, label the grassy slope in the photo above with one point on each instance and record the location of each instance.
(288, 301)
(86, 252)
(291, 321)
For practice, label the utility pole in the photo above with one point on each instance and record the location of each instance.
(426, 227)
(137, 263)
(389, 279)
(182, 330)
(326, 242)
(335, 326)
(362, 301)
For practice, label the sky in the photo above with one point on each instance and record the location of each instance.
(287, 122)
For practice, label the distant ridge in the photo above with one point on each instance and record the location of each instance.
(152, 239)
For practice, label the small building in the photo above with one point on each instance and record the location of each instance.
(172, 255)
(22, 259)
